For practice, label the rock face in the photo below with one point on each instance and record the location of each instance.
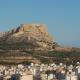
(33, 34)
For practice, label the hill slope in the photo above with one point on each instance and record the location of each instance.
(33, 43)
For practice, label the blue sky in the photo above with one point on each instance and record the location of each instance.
(61, 16)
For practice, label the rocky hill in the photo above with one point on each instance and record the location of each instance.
(28, 36)
(32, 42)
